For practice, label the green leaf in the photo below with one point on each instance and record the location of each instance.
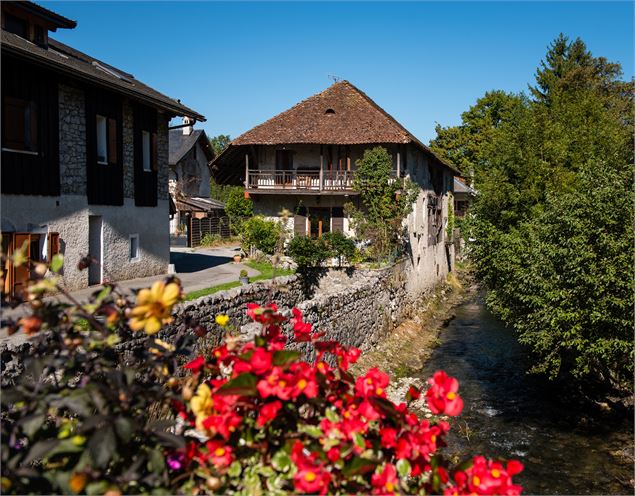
(102, 446)
(39, 449)
(358, 466)
(311, 430)
(358, 439)
(124, 427)
(243, 385)
(403, 468)
(31, 424)
(331, 415)
(281, 461)
(103, 294)
(57, 262)
(156, 461)
(234, 469)
(285, 357)
(99, 487)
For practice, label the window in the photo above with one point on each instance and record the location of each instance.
(102, 140)
(20, 129)
(145, 143)
(134, 247)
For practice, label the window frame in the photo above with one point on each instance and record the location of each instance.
(137, 258)
(103, 119)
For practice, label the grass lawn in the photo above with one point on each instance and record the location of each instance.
(266, 272)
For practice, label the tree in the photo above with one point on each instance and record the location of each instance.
(553, 218)
(386, 201)
(219, 143)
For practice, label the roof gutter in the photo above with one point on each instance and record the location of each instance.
(189, 124)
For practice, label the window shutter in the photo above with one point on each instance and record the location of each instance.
(54, 244)
(154, 152)
(14, 124)
(33, 135)
(112, 141)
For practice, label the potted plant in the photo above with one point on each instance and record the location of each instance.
(237, 258)
(244, 279)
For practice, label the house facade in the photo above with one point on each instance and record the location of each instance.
(463, 197)
(303, 160)
(190, 154)
(84, 157)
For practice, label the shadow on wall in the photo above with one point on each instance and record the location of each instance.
(194, 262)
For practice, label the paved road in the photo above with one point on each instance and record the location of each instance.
(197, 269)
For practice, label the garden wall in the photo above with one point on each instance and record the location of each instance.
(355, 307)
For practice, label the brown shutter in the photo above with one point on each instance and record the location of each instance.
(14, 123)
(154, 152)
(112, 141)
(54, 244)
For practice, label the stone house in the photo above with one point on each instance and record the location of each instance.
(190, 154)
(303, 160)
(84, 157)
(463, 197)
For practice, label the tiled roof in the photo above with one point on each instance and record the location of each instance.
(461, 187)
(181, 143)
(340, 115)
(198, 204)
(67, 60)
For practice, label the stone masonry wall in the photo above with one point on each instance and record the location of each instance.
(355, 308)
(72, 130)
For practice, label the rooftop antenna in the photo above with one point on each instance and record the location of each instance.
(334, 78)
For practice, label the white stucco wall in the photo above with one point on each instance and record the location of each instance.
(69, 215)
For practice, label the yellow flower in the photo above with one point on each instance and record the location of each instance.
(222, 320)
(202, 404)
(154, 307)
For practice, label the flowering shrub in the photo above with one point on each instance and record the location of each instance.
(258, 418)
(90, 412)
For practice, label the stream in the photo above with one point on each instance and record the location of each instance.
(510, 414)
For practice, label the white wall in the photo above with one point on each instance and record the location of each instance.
(69, 214)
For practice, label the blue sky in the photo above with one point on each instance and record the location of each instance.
(423, 62)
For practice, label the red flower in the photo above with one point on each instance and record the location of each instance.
(443, 395)
(265, 316)
(219, 454)
(223, 424)
(372, 384)
(268, 412)
(385, 482)
(195, 365)
(277, 384)
(333, 454)
(312, 480)
(489, 477)
(261, 361)
(305, 380)
(388, 437)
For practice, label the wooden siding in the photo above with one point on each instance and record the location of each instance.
(104, 181)
(24, 173)
(145, 182)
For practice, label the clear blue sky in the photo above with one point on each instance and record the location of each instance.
(426, 62)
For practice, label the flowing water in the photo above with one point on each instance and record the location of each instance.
(509, 414)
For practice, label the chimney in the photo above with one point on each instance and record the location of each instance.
(187, 130)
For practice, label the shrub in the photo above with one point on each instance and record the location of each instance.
(263, 234)
(340, 246)
(210, 239)
(308, 252)
(243, 273)
(238, 208)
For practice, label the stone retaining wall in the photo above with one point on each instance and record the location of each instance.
(357, 308)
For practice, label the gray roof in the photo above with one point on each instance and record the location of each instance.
(461, 187)
(198, 204)
(181, 143)
(67, 60)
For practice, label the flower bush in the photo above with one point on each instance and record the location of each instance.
(105, 406)
(257, 418)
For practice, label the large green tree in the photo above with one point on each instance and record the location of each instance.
(553, 220)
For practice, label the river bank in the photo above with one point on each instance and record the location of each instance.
(508, 413)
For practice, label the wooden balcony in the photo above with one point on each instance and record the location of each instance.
(299, 181)
(302, 182)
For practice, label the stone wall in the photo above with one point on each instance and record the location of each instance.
(72, 142)
(355, 307)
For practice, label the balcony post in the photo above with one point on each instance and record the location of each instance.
(321, 168)
(246, 171)
(398, 165)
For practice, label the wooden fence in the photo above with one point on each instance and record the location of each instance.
(214, 226)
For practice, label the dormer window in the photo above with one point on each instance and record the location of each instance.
(329, 111)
